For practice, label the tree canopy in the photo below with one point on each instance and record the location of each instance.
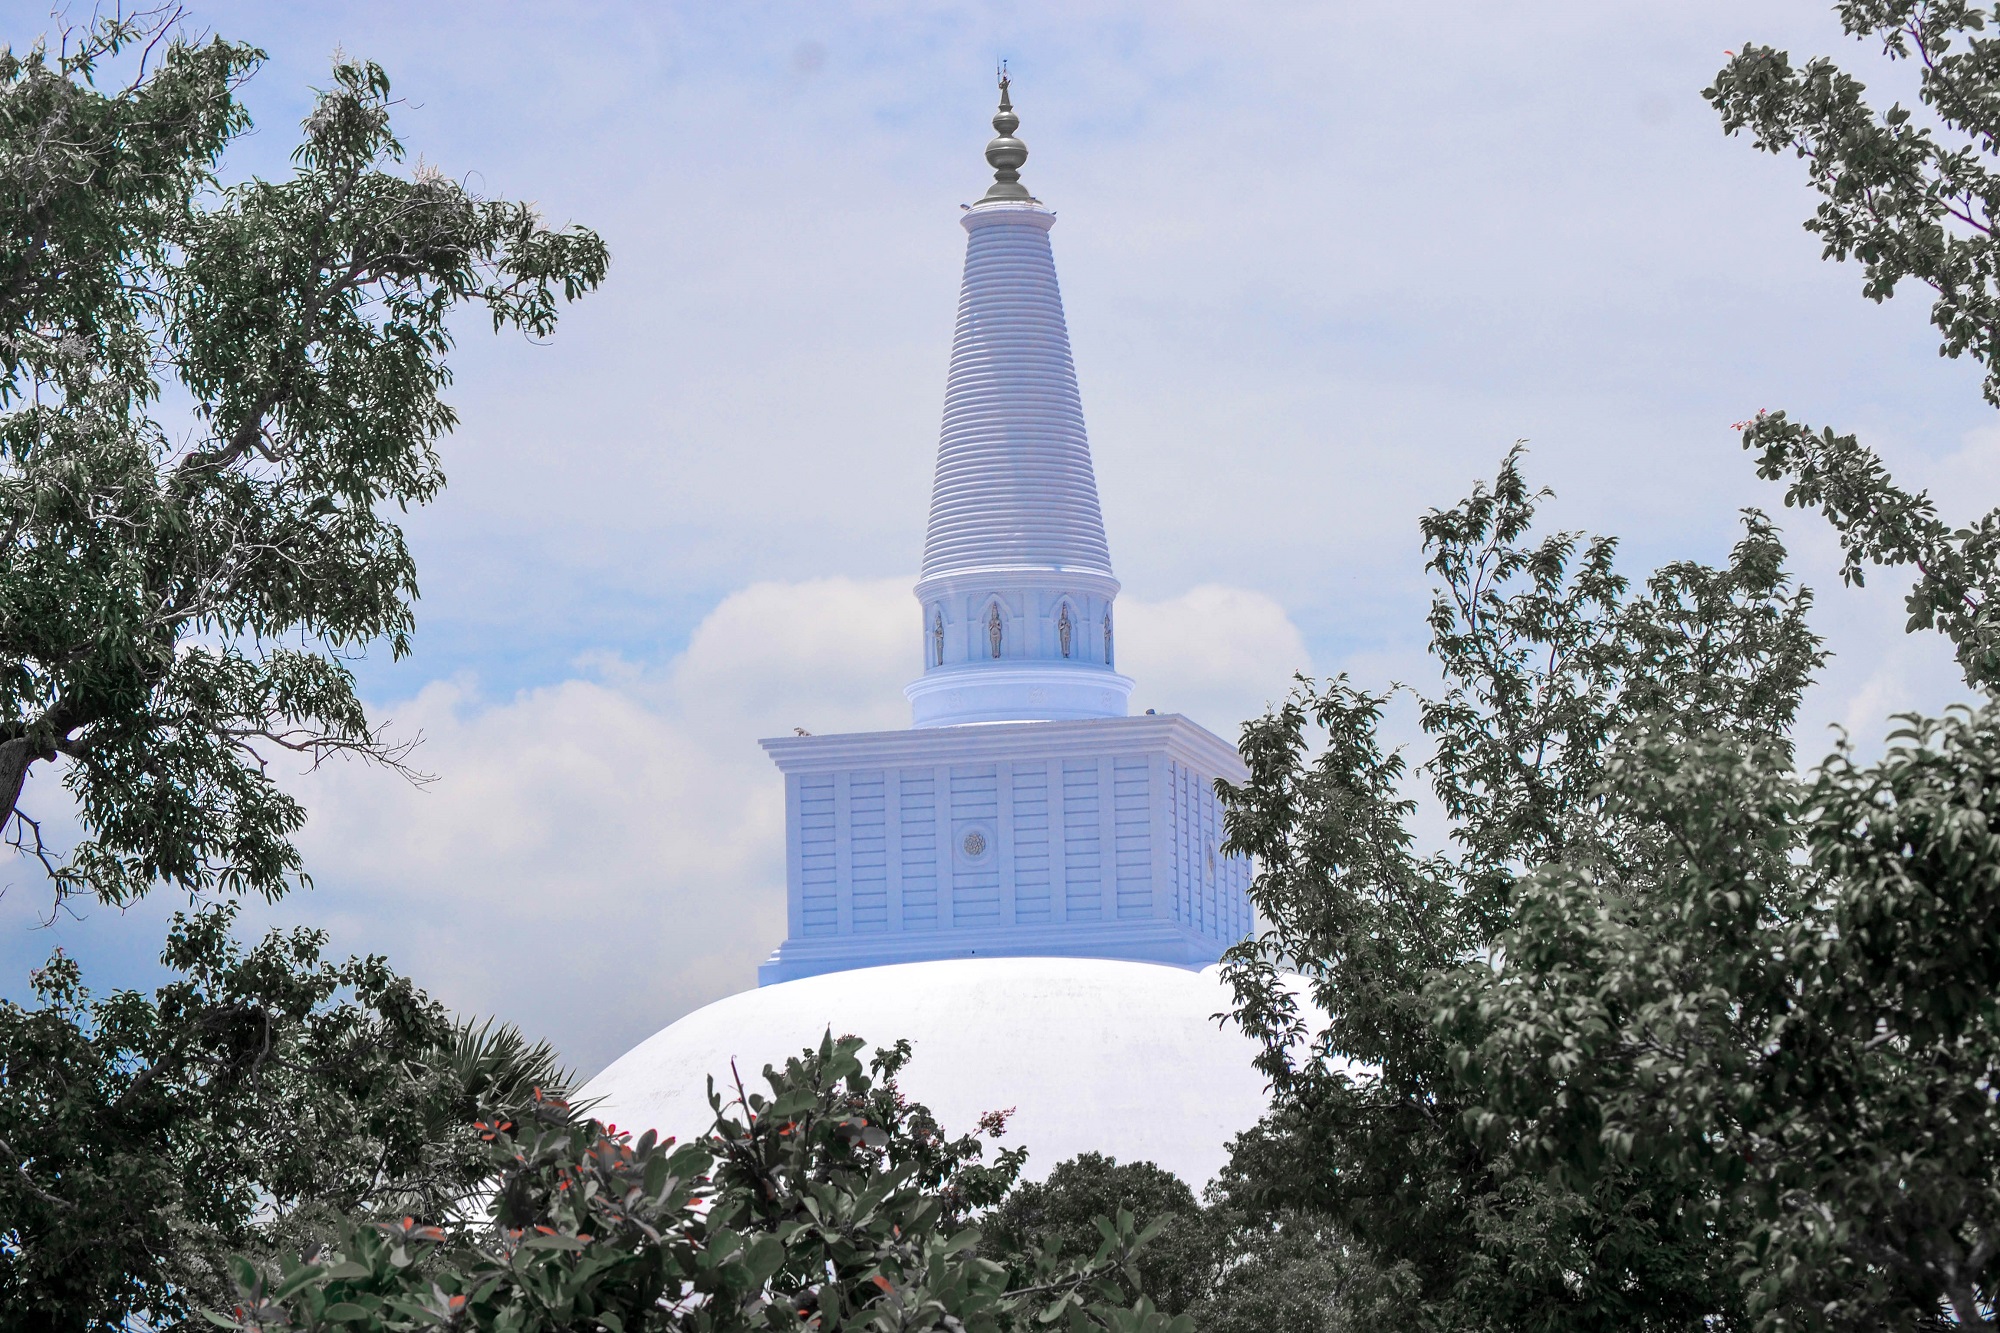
(1060, 1215)
(215, 403)
(1911, 196)
(1670, 1034)
(254, 1101)
(1549, 656)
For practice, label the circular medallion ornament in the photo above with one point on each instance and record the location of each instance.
(975, 843)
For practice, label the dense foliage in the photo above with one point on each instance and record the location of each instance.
(1670, 1035)
(248, 1105)
(1791, 1003)
(181, 587)
(215, 403)
(1062, 1215)
(828, 1203)
(1548, 657)
(1231, 1269)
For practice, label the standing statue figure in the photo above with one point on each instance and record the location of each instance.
(937, 637)
(1064, 629)
(1107, 637)
(993, 627)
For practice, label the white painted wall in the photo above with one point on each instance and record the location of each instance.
(1098, 838)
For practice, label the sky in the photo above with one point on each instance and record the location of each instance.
(1323, 264)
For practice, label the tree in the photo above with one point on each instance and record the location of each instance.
(1549, 656)
(179, 593)
(251, 1103)
(1790, 1002)
(1232, 1268)
(1061, 1215)
(1664, 968)
(215, 403)
(809, 1207)
(1790, 1005)
(1908, 206)
(1293, 1271)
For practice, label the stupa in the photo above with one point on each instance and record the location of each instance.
(1028, 883)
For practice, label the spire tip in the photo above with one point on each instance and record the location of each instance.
(1005, 153)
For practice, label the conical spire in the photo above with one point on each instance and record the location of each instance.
(1017, 586)
(1014, 486)
(1006, 154)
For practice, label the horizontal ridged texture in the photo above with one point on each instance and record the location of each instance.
(1014, 483)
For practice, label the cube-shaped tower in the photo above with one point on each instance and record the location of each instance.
(1024, 813)
(1095, 838)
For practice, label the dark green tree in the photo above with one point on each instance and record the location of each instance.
(1789, 1000)
(1294, 1271)
(1061, 1215)
(250, 1104)
(215, 405)
(179, 591)
(1666, 984)
(1549, 657)
(1790, 1004)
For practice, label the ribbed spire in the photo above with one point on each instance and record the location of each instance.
(1014, 486)
(1016, 589)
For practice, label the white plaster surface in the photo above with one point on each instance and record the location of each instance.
(1014, 485)
(1093, 1054)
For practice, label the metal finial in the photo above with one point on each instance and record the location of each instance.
(1006, 154)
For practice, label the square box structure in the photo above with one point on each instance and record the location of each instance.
(1090, 838)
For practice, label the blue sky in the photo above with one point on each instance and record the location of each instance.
(1323, 264)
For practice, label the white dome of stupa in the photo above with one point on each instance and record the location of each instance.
(1091, 1054)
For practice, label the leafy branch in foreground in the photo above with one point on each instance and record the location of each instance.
(823, 1205)
(1906, 204)
(1880, 523)
(179, 592)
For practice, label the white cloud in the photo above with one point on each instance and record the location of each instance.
(1220, 655)
(599, 856)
